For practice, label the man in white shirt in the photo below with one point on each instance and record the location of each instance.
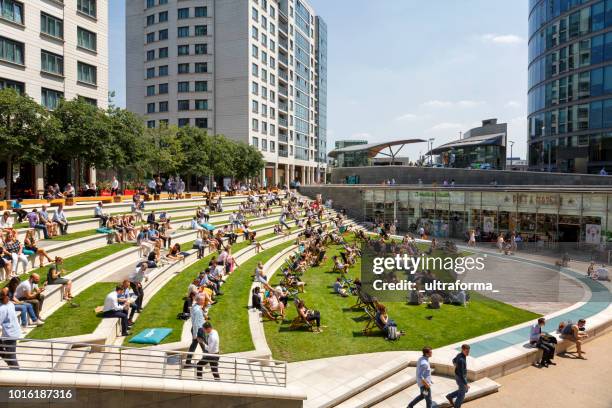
(59, 217)
(28, 291)
(115, 186)
(197, 322)
(10, 330)
(152, 184)
(209, 338)
(112, 309)
(136, 277)
(424, 380)
(99, 213)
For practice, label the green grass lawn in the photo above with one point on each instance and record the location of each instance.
(343, 334)
(75, 235)
(74, 321)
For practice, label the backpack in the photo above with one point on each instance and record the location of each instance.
(183, 316)
(392, 333)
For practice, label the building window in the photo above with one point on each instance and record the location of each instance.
(255, 107)
(255, 125)
(264, 145)
(254, 51)
(150, 73)
(163, 106)
(201, 86)
(51, 26)
(150, 38)
(264, 128)
(162, 70)
(51, 63)
(86, 73)
(264, 39)
(183, 122)
(151, 107)
(201, 67)
(183, 68)
(87, 7)
(17, 86)
(11, 51)
(12, 10)
(201, 104)
(255, 70)
(255, 142)
(150, 55)
(163, 35)
(150, 90)
(264, 109)
(183, 50)
(150, 20)
(163, 123)
(150, 3)
(163, 52)
(183, 32)
(183, 105)
(272, 133)
(255, 14)
(50, 99)
(86, 39)
(201, 49)
(264, 92)
(183, 87)
(201, 30)
(162, 16)
(255, 88)
(201, 123)
(201, 11)
(272, 146)
(183, 13)
(264, 75)
(254, 33)
(150, 124)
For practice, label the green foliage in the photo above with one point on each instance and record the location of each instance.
(250, 163)
(163, 150)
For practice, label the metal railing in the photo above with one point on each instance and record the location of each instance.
(71, 357)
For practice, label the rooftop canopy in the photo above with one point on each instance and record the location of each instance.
(374, 149)
(496, 139)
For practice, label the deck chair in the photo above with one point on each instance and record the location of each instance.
(299, 322)
(320, 258)
(371, 322)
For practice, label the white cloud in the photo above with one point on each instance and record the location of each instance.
(513, 104)
(446, 126)
(502, 39)
(449, 104)
(406, 117)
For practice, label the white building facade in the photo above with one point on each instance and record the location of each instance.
(246, 69)
(54, 49)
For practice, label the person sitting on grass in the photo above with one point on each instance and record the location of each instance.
(30, 248)
(575, 333)
(26, 309)
(339, 288)
(309, 315)
(54, 277)
(388, 326)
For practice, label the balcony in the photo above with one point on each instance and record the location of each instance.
(283, 122)
(282, 137)
(283, 106)
(283, 59)
(283, 43)
(283, 150)
(282, 90)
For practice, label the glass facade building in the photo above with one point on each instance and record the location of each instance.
(321, 91)
(549, 215)
(570, 85)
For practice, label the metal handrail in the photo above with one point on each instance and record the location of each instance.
(76, 357)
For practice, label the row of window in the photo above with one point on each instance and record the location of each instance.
(182, 13)
(184, 68)
(264, 6)
(594, 115)
(549, 10)
(264, 91)
(264, 144)
(265, 129)
(588, 84)
(50, 98)
(182, 105)
(182, 50)
(13, 10)
(590, 51)
(263, 74)
(263, 56)
(584, 21)
(271, 44)
(182, 87)
(13, 51)
(151, 3)
(182, 32)
(264, 111)
(182, 122)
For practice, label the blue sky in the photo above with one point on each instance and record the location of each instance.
(408, 68)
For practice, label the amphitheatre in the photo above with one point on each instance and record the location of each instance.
(268, 361)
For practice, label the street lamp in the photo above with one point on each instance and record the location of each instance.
(431, 140)
(511, 155)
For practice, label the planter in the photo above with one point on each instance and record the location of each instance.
(129, 192)
(117, 199)
(3, 206)
(156, 197)
(105, 193)
(70, 201)
(187, 195)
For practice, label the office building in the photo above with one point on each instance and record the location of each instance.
(252, 70)
(570, 85)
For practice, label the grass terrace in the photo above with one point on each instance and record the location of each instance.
(343, 334)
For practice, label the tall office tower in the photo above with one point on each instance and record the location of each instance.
(570, 85)
(51, 50)
(247, 69)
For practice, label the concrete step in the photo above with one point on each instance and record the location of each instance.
(441, 387)
(383, 390)
(72, 358)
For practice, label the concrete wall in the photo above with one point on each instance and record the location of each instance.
(411, 175)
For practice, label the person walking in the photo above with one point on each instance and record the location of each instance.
(424, 381)
(197, 321)
(210, 339)
(10, 330)
(460, 363)
(136, 277)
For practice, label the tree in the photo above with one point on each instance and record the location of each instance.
(196, 159)
(26, 128)
(249, 161)
(87, 136)
(163, 150)
(128, 144)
